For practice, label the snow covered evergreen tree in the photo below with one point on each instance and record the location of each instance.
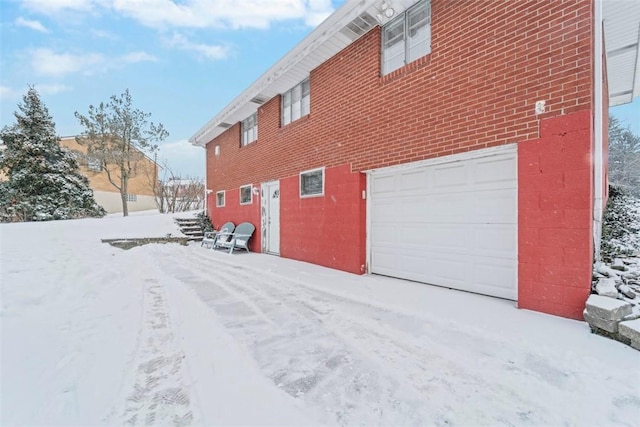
(44, 181)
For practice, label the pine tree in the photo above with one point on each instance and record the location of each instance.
(624, 157)
(44, 182)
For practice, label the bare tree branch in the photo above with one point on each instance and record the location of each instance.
(117, 135)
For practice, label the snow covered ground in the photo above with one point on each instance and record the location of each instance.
(174, 335)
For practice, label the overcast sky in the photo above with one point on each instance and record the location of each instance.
(183, 61)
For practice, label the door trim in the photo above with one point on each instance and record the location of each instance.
(264, 214)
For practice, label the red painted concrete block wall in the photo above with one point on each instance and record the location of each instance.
(555, 210)
(328, 230)
(235, 212)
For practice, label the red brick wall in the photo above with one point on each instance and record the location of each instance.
(555, 211)
(490, 62)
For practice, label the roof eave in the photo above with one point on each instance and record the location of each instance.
(329, 30)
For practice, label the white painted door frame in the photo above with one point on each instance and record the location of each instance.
(270, 217)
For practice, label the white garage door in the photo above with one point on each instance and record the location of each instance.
(452, 223)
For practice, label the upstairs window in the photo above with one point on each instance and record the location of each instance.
(250, 129)
(407, 37)
(296, 102)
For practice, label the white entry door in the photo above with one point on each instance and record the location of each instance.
(451, 223)
(271, 198)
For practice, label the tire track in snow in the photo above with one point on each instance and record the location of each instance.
(408, 367)
(158, 396)
(321, 366)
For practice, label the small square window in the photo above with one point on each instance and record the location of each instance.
(312, 183)
(132, 197)
(245, 195)
(220, 199)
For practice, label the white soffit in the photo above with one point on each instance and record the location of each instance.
(353, 19)
(622, 42)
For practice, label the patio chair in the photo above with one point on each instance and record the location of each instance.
(237, 240)
(210, 237)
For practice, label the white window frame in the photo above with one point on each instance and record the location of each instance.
(295, 103)
(218, 204)
(310, 171)
(250, 129)
(411, 46)
(250, 186)
(132, 197)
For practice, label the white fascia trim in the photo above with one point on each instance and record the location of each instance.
(635, 93)
(598, 113)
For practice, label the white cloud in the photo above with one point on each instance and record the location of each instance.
(133, 57)
(49, 63)
(195, 13)
(52, 89)
(208, 51)
(104, 34)
(318, 11)
(182, 158)
(34, 25)
(222, 13)
(8, 93)
(56, 6)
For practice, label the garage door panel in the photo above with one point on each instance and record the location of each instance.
(383, 184)
(495, 206)
(446, 237)
(494, 280)
(435, 237)
(496, 169)
(412, 181)
(448, 207)
(449, 224)
(384, 211)
(488, 276)
(451, 175)
(495, 240)
(412, 209)
(441, 268)
(385, 260)
(495, 275)
(489, 239)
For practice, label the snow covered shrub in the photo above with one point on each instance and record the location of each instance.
(620, 225)
(205, 222)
